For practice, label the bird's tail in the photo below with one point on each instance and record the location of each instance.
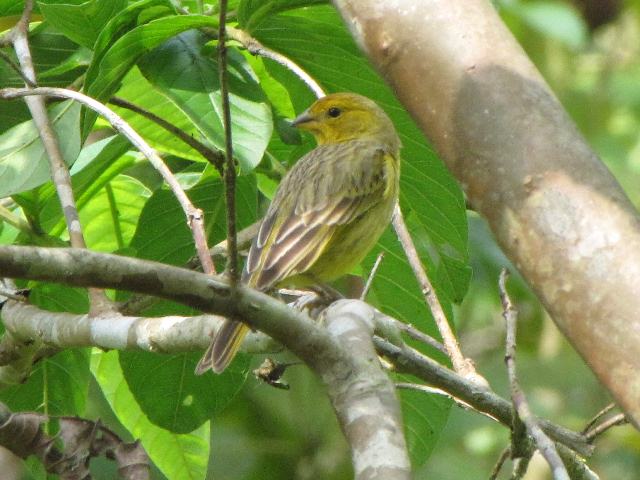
(223, 348)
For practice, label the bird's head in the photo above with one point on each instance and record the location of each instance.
(340, 117)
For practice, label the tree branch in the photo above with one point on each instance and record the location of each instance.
(364, 397)
(520, 404)
(553, 206)
(408, 360)
(212, 294)
(328, 356)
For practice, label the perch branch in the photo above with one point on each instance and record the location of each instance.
(212, 294)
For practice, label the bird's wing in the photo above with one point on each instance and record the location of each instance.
(330, 186)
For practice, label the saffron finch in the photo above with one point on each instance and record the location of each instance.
(329, 210)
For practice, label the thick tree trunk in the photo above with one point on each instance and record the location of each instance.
(553, 206)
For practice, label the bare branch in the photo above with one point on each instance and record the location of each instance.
(372, 275)
(614, 421)
(521, 406)
(315, 345)
(598, 416)
(504, 455)
(170, 334)
(193, 214)
(256, 48)
(461, 364)
(408, 360)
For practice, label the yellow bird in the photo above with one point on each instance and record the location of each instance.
(328, 211)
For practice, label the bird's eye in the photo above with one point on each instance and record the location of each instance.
(334, 112)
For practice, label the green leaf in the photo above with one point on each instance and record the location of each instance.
(49, 50)
(23, 160)
(137, 90)
(97, 164)
(107, 70)
(110, 217)
(188, 400)
(425, 416)
(81, 23)
(162, 232)
(555, 19)
(57, 385)
(182, 456)
(252, 12)
(185, 71)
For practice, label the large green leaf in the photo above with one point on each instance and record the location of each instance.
(182, 456)
(188, 400)
(431, 200)
(110, 217)
(137, 89)
(49, 50)
(57, 385)
(23, 161)
(107, 70)
(81, 23)
(186, 72)
(425, 416)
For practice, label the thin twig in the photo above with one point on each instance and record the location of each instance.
(541, 440)
(213, 156)
(619, 419)
(193, 214)
(499, 463)
(254, 47)
(372, 275)
(59, 170)
(409, 360)
(416, 334)
(460, 364)
(598, 416)
(437, 391)
(230, 168)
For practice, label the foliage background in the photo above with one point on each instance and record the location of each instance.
(121, 48)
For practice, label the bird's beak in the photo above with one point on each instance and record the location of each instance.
(300, 120)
